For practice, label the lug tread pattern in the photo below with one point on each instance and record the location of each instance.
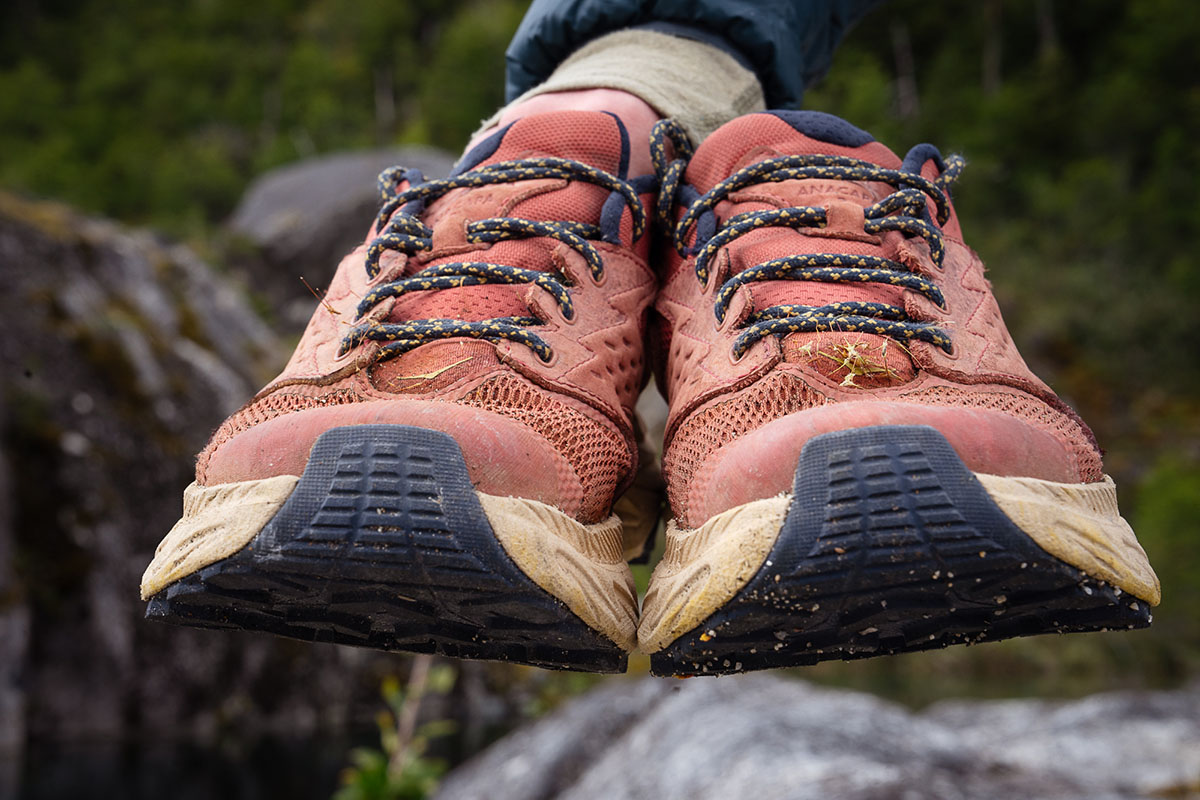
(891, 545)
(383, 544)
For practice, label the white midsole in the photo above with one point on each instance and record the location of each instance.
(217, 522)
(1078, 523)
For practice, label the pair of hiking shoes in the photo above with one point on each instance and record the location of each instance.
(856, 458)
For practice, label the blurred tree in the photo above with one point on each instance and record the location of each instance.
(464, 81)
(162, 113)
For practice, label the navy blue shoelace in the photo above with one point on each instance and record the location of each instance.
(904, 210)
(401, 230)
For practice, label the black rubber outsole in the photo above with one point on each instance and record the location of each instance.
(383, 544)
(891, 545)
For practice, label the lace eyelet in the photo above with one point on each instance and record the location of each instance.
(548, 362)
(343, 353)
(734, 358)
(571, 320)
(597, 282)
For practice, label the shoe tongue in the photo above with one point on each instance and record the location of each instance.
(594, 138)
(757, 137)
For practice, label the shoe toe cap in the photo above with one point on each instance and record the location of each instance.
(762, 463)
(503, 457)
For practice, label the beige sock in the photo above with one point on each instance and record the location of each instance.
(698, 85)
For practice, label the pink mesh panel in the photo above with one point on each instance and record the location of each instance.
(704, 432)
(276, 404)
(756, 247)
(809, 293)
(470, 303)
(719, 156)
(599, 455)
(778, 395)
(573, 135)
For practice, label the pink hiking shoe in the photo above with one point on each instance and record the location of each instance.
(435, 469)
(858, 460)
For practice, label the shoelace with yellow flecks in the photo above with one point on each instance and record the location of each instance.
(904, 210)
(400, 229)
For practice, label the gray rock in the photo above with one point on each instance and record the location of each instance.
(119, 355)
(14, 644)
(534, 764)
(304, 217)
(1142, 742)
(770, 738)
(100, 418)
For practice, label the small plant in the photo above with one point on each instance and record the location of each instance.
(857, 360)
(400, 769)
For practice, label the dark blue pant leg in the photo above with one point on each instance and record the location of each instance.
(788, 43)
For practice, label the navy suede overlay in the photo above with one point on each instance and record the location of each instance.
(824, 127)
(644, 184)
(706, 228)
(480, 152)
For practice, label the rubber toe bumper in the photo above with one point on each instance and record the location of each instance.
(383, 543)
(889, 544)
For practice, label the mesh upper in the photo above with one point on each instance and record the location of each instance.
(777, 395)
(599, 455)
(284, 401)
(711, 428)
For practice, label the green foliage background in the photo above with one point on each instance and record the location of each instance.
(1079, 120)
(160, 113)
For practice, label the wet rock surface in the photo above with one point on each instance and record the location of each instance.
(774, 738)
